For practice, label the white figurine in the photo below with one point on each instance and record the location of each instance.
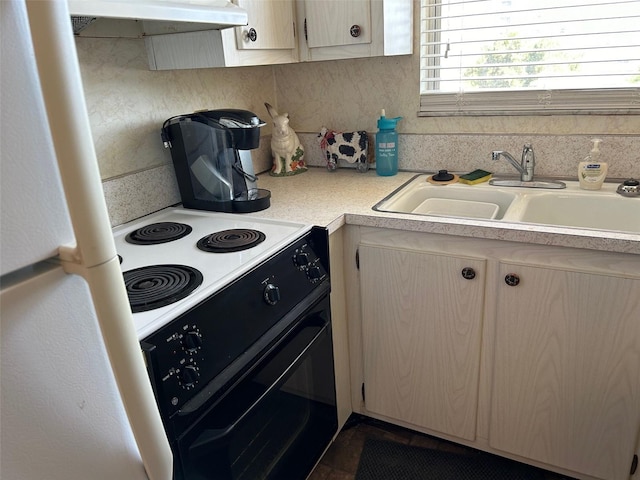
(286, 149)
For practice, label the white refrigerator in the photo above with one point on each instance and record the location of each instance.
(75, 402)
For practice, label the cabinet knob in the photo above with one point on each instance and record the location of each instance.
(251, 35)
(512, 279)
(355, 31)
(468, 273)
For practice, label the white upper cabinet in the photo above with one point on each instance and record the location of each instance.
(337, 23)
(268, 39)
(271, 25)
(325, 29)
(338, 29)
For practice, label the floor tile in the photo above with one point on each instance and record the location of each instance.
(340, 462)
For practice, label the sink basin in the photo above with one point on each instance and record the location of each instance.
(586, 211)
(570, 207)
(457, 208)
(423, 198)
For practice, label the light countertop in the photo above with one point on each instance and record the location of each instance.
(333, 199)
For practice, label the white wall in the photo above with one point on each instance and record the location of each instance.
(128, 103)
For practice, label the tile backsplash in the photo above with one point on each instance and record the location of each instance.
(555, 156)
(131, 196)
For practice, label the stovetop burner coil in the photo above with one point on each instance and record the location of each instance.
(155, 286)
(156, 233)
(233, 240)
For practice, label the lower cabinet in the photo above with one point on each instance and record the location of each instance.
(566, 376)
(421, 330)
(527, 351)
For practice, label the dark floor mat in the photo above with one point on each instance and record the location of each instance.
(384, 460)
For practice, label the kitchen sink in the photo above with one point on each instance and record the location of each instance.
(595, 210)
(572, 207)
(469, 201)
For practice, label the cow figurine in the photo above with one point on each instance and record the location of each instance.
(350, 147)
(286, 149)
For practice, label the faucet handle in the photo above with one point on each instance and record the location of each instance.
(528, 156)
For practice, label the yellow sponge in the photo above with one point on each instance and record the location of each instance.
(477, 176)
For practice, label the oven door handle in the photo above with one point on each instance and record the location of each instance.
(210, 436)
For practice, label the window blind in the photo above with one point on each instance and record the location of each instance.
(529, 56)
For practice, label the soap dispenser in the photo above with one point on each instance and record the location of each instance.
(592, 170)
(387, 146)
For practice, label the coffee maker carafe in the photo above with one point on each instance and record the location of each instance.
(212, 160)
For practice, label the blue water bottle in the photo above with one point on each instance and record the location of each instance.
(387, 146)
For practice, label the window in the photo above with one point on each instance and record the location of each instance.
(486, 57)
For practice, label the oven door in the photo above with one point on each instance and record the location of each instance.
(278, 420)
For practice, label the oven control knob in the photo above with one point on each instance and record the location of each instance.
(271, 294)
(314, 273)
(301, 260)
(192, 341)
(189, 376)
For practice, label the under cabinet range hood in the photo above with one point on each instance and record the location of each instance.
(215, 14)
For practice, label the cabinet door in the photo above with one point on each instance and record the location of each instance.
(270, 27)
(269, 39)
(421, 328)
(331, 23)
(566, 386)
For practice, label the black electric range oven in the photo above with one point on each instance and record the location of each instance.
(234, 320)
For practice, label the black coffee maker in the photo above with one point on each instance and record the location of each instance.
(212, 159)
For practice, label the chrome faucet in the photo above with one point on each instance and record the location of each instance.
(525, 167)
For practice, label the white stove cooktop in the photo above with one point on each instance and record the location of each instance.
(218, 269)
